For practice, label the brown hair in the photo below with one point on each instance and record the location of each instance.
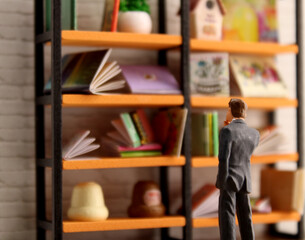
(238, 108)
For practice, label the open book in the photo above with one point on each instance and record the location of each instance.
(79, 145)
(91, 72)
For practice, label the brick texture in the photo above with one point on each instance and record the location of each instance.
(17, 149)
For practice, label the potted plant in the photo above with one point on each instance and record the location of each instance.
(134, 16)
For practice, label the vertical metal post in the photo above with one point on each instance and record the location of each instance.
(186, 170)
(300, 89)
(39, 119)
(56, 121)
(162, 60)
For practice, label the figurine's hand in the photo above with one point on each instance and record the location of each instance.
(226, 122)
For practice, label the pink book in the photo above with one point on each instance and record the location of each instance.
(147, 147)
(150, 79)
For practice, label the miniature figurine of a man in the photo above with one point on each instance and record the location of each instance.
(236, 144)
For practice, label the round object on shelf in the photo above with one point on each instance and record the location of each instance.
(134, 22)
(87, 203)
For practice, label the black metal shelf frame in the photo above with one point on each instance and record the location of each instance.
(55, 99)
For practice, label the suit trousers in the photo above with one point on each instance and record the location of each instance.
(229, 203)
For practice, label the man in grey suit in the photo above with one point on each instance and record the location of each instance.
(236, 144)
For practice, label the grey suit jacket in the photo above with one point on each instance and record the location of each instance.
(236, 144)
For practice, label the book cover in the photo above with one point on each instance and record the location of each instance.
(215, 133)
(115, 13)
(250, 20)
(131, 129)
(89, 72)
(209, 74)
(206, 135)
(146, 147)
(108, 12)
(141, 154)
(197, 134)
(256, 77)
(211, 143)
(284, 188)
(68, 15)
(150, 79)
(175, 134)
(205, 200)
(143, 126)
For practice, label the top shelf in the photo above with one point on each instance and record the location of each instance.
(121, 40)
(165, 41)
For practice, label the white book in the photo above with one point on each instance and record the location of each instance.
(79, 145)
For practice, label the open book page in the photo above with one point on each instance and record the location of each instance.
(79, 145)
(119, 126)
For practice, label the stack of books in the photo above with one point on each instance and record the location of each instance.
(205, 140)
(135, 136)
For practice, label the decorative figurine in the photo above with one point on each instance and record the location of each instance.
(236, 144)
(146, 200)
(87, 203)
(206, 19)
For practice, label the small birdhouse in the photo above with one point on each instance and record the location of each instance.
(206, 19)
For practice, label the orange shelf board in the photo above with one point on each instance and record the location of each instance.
(255, 48)
(265, 159)
(123, 162)
(121, 100)
(257, 218)
(257, 103)
(118, 39)
(123, 224)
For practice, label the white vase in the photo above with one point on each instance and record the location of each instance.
(135, 22)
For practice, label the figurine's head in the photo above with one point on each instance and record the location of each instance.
(237, 109)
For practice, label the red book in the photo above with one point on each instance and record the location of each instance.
(115, 13)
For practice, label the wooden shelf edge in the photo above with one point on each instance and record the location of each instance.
(123, 224)
(121, 100)
(123, 162)
(257, 218)
(255, 48)
(119, 39)
(252, 102)
(264, 159)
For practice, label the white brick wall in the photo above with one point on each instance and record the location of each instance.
(17, 169)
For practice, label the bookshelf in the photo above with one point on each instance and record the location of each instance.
(161, 42)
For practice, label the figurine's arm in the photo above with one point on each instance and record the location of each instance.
(225, 144)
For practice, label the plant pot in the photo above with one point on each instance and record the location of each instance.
(135, 22)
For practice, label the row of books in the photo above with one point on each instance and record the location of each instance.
(205, 141)
(92, 72)
(281, 190)
(134, 135)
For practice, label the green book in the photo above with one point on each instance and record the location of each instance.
(68, 15)
(206, 138)
(215, 133)
(197, 134)
(210, 117)
(131, 129)
(140, 154)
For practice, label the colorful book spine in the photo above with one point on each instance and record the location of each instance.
(131, 129)
(146, 125)
(215, 133)
(210, 120)
(147, 147)
(206, 139)
(143, 126)
(140, 154)
(115, 13)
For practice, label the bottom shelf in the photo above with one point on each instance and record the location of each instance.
(123, 224)
(263, 218)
